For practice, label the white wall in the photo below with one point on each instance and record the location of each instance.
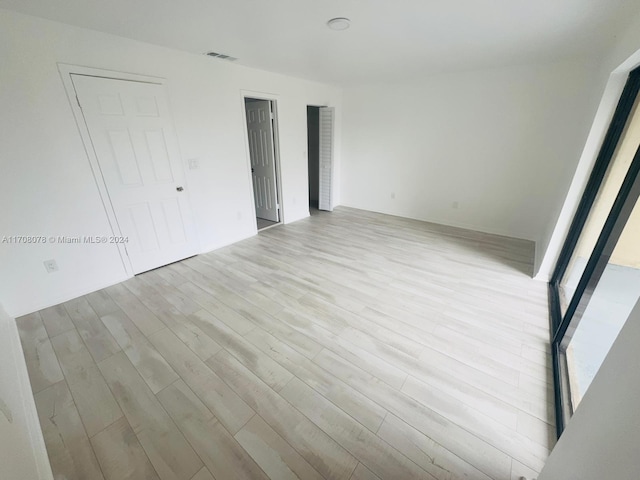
(602, 437)
(612, 74)
(22, 450)
(503, 143)
(601, 440)
(47, 184)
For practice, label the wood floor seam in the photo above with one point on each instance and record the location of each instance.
(348, 345)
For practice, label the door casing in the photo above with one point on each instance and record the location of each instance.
(66, 70)
(273, 98)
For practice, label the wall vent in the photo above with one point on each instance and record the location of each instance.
(221, 56)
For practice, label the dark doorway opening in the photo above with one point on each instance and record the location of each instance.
(313, 155)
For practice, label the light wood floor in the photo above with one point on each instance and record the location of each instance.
(264, 223)
(350, 345)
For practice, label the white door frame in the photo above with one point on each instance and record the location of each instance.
(66, 71)
(332, 172)
(273, 98)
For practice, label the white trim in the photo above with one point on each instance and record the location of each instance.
(446, 222)
(216, 246)
(276, 154)
(66, 71)
(71, 294)
(273, 98)
(307, 143)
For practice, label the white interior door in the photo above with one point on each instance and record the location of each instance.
(263, 167)
(135, 144)
(325, 197)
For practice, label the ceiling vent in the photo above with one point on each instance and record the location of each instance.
(221, 56)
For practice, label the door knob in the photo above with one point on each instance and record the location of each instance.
(179, 189)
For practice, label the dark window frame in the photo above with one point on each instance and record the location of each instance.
(562, 327)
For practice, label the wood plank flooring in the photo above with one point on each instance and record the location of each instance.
(350, 345)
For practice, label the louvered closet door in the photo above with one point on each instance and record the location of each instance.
(325, 200)
(135, 143)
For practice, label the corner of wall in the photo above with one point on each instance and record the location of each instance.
(22, 449)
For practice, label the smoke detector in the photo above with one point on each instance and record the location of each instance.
(339, 23)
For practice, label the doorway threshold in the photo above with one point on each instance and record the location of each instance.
(266, 224)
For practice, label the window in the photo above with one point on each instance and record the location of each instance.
(596, 281)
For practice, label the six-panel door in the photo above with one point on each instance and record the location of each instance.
(260, 130)
(134, 140)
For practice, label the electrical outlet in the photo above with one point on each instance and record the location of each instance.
(455, 205)
(51, 266)
(194, 164)
(393, 195)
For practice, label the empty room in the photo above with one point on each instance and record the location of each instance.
(330, 240)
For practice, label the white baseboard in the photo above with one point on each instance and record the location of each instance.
(215, 246)
(68, 295)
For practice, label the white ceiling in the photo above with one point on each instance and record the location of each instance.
(388, 40)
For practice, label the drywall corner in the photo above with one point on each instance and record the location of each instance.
(22, 450)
